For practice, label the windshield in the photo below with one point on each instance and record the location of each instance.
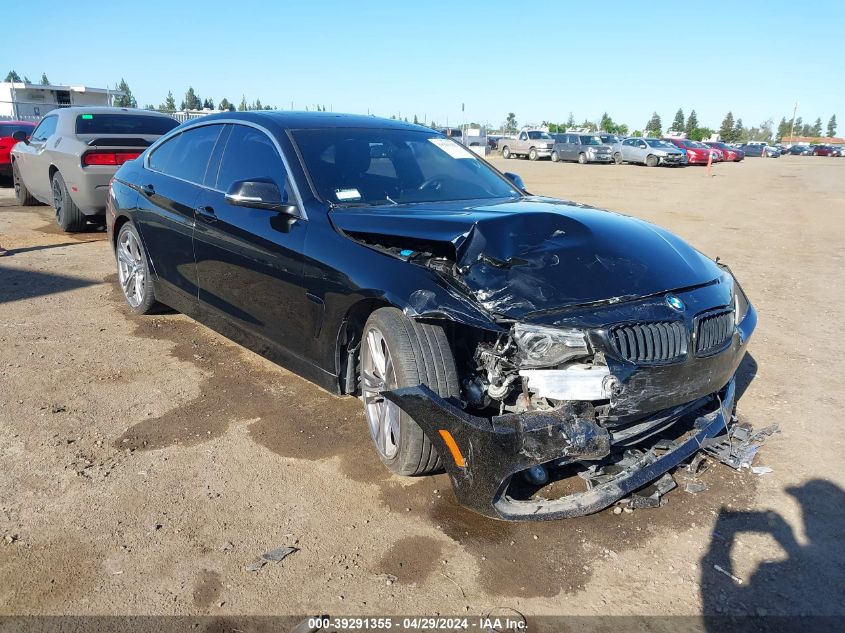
(96, 123)
(536, 135)
(659, 143)
(369, 166)
(590, 140)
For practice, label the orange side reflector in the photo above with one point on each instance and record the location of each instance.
(460, 462)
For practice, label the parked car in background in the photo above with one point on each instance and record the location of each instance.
(583, 148)
(487, 331)
(732, 154)
(455, 133)
(609, 139)
(697, 153)
(823, 150)
(759, 150)
(73, 153)
(800, 150)
(647, 151)
(532, 144)
(838, 150)
(8, 129)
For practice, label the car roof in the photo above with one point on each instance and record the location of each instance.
(73, 110)
(299, 120)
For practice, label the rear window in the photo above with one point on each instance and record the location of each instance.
(123, 124)
(7, 129)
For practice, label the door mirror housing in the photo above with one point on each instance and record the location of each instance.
(515, 179)
(258, 194)
(21, 137)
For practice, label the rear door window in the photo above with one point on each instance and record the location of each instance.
(113, 123)
(186, 156)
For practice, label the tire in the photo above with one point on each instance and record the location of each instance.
(554, 157)
(532, 154)
(506, 152)
(651, 160)
(68, 216)
(24, 198)
(582, 158)
(416, 353)
(617, 158)
(130, 255)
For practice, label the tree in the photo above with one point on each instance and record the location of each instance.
(817, 127)
(654, 127)
(149, 106)
(257, 105)
(726, 131)
(570, 122)
(678, 122)
(511, 124)
(192, 101)
(783, 129)
(225, 105)
(416, 120)
(636, 133)
(739, 132)
(169, 104)
(621, 128)
(588, 125)
(700, 133)
(243, 107)
(126, 100)
(44, 80)
(692, 124)
(606, 123)
(208, 104)
(831, 126)
(13, 76)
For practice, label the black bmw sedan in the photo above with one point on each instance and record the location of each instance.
(510, 339)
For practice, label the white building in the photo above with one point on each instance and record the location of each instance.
(23, 101)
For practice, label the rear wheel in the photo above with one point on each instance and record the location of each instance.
(555, 157)
(532, 154)
(399, 352)
(506, 152)
(133, 271)
(651, 160)
(582, 158)
(68, 215)
(24, 198)
(617, 158)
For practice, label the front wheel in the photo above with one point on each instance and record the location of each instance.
(555, 157)
(399, 352)
(617, 158)
(532, 154)
(582, 158)
(506, 152)
(651, 160)
(24, 198)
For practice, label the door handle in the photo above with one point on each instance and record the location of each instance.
(148, 190)
(206, 213)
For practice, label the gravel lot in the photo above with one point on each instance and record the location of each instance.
(145, 462)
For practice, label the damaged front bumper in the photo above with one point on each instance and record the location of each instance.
(489, 453)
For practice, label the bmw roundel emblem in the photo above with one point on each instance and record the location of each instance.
(675, 303)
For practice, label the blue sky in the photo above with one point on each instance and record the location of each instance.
(540, 60)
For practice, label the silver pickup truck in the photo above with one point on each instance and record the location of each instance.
(531, 143)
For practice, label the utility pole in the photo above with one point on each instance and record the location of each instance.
(792, 125)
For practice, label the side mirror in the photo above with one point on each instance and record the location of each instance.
(515, 179)
(21, 136)
(258, 194)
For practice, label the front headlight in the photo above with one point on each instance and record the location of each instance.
(541, 346)
(740, 303)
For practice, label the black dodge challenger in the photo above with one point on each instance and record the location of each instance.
(515, 340)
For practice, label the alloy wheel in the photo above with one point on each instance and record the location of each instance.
(57, 199)
(130, 269)
(378, 375)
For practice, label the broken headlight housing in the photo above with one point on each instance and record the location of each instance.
(740, 303)
(541, 346)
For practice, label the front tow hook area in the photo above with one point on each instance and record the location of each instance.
(487, 453)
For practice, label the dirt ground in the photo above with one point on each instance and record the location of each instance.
(145, 462)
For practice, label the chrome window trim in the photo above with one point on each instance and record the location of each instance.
(179, 130)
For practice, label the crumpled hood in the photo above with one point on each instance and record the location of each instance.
(521, 256)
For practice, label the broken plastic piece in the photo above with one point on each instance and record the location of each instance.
(272, 556)
(761, 470)
(695, 487)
